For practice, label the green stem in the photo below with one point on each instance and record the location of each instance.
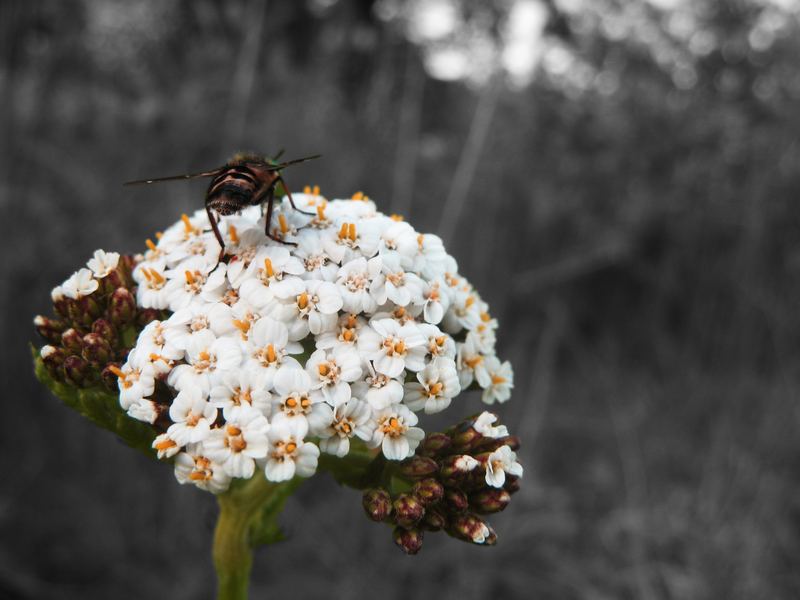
(247, 515)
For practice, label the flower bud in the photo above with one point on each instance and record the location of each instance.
(428, 491)
(78, 314)
(105, 330)
(455, 500)
(121, 306)
(96, 350)
(147, 315)
(377, 504)
(512, 484)
(60, 303)
(408, 540)
(471, 528)
(109, 378)
(76, 370)
(434, 443)
(53, 359)
(90, 306)
(456, 468)
(407, 510)
(465, 436)
(489, 500)
(49, 329)
(418, 467)
(72, 341)
(490, 445)
(434, 519)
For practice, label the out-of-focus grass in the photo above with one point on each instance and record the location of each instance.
(640, 252)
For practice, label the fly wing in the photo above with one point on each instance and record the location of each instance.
(282, 165)
(176, 177)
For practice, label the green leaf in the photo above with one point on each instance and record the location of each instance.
(99, 406)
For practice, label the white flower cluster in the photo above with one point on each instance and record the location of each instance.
(286, 350)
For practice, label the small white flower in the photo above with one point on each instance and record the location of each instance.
(354, 281)
(309, 306)
(472, 365)
(207, 358)
(436, 301)
(237, 444)
(394, 284)
(378, 390)
(394, 432)
(293, 400)
(465, 463)
(392, 347)
(345, 334)
(268, 347)
(192, 416)
(501, 381)
(317, 262)
(269, 274)
(187, 322)
(103, 263)
(195, 281)
(243, 247)
(143, 410)
(332, 371)
(152, 291)
(192, 467)
(349, 242)
(136, 379)
(242, 387)
(438, 343)
(502, 461)
(154, 339)
(484, 425)
(80, 284)
(437, 384)
(289, 455)
(165, 446)
(464, 312)
(349, 419)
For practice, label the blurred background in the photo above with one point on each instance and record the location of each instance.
(618, 178)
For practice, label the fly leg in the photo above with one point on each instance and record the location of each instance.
(217, 234)
(291, 200)
(268, 196)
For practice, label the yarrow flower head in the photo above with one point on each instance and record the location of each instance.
(263, 360)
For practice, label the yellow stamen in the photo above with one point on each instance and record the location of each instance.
(284, 225)
(351, 232)
(323, 369)
(474, 361)
(204, 356)
(302, 300)
(243, 326)
(190, 279)
(351, 320)
(154, 357)
(233, 431)
(440, 340)
(268, 267)
(497, 379)
(233, 233)
(307, 189)
(357, 196)
(436, 388)
(398, 218)
(316, 190)
(400, 347)
(187, 224)
(198, 475)
(146, 273)
(343, 231)
(159, 234)
(420, 239)
(348, 335)
(157, 277)
(116, 371)
(321, 212)
(486, 317)
(290, 447)
(291, 402)
(164, 444)
(271, 353)
(469, 301)
(149, 243)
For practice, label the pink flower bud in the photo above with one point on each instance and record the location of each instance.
(407, 510)
(408, 540)
(377, 504)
